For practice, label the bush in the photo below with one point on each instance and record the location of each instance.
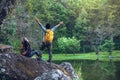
(107, 46)
(69, 45)
(8, 31)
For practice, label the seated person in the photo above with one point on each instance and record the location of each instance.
(26, 50)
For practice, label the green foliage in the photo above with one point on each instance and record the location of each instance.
(9, 31)
(116, 40)
(79, 17)
(85, 46)
(3, 38)
(12, 28)
(81, 27)
(69, 45)
(107, 46)
(16, 44)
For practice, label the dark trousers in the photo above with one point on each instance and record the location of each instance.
(47, 45)
(33, 52)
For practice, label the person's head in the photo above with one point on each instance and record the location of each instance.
(25, 39)
(47, 26)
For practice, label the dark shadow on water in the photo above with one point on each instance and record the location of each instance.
(95, 70)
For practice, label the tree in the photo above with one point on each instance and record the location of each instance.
(98, 36)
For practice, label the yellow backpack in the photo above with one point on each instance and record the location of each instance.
(49, 35)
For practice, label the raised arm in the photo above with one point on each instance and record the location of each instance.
(55, 27)
(41, 26)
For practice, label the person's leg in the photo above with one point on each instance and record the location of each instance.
(35, 52)
(49, 47)
(31, 53)
(42, 47)
(39, 54)
(28, 54)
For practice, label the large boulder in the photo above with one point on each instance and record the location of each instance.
(56, 74)
(53, 74)
(18, 67)
(69, 69)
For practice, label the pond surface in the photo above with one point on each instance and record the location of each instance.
(95, 70)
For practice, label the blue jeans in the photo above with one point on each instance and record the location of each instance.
(32, 53)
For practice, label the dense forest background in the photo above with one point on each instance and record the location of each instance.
(88, 24)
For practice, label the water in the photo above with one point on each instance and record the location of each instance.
(95, 70)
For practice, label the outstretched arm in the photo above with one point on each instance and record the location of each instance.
(41, 26)
(55, 27)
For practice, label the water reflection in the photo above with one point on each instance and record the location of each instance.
(95, 70)
(98, 70)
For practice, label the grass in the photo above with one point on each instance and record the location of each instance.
(103, 56)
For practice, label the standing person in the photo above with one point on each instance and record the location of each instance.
(48, 37)
(26, 49)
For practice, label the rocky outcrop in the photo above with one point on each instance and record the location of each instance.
(6, 7)
(54, 74)
(18, 67)
(5, 48)
(68, 67)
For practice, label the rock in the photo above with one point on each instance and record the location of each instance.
(68, 67)
(5, 48)
(54, 74)
(18, 67)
